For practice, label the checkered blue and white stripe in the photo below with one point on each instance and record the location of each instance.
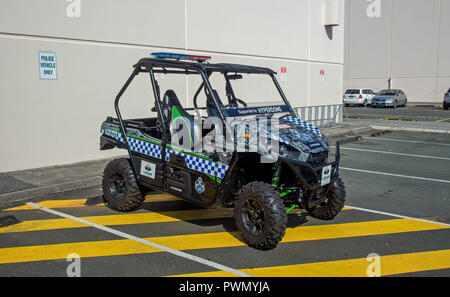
(201, 165)
(136, 145)
(192, 162)
(145, 148)
(112, 133)
(303, 124)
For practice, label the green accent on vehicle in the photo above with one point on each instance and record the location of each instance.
(276, 176)
(187, 152)
(285, 193)
(167, 146)
(219, 181)
(144, 139)
(291, 208)
(177, 114)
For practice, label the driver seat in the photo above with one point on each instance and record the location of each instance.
(179, 119)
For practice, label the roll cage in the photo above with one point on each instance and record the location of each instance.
(167, 66)
(174, 66)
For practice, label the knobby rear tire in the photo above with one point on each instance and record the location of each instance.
(130, 196)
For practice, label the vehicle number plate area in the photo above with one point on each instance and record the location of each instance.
(326, 175)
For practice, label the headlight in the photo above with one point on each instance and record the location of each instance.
(293, 154)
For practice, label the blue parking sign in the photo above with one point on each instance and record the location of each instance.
(47, 65)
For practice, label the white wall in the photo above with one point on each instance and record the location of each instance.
(140, 22)
(409, 43)
(52, 122)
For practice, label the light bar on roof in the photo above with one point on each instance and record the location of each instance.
(181, 57)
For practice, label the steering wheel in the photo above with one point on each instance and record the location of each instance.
(235, 104)
(242, 102)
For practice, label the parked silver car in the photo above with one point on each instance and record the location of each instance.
(446, 103)
(392, 98)
(358, 96)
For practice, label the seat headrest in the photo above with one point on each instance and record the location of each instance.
(171, 99)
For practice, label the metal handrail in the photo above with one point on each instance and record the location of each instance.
(321, 115)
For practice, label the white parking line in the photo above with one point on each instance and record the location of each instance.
(394, 153)
(396, 215)
(396, 175)
(143, 241)
(409, 141)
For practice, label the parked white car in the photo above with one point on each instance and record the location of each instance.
(358, 96)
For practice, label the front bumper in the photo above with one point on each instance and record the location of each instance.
(382, 103)
(353, 101)
(309, 176)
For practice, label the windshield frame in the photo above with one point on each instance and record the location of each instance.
(165, 66)
(249, 110)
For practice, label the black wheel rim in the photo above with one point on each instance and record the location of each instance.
(117, 186)
(253, 217)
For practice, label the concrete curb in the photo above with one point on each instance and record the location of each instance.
(14, 198)
(410, 129)
(340, 132)
(423, 126)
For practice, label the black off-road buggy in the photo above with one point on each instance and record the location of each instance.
(261, 184)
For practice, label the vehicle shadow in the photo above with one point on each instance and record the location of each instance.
(220, 219)
(208, 216)
(216, 217)
(296, 219)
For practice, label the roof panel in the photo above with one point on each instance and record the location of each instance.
(207, 67)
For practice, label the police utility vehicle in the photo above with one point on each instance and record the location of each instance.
(262, 184)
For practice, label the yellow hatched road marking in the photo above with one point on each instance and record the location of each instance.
(208, 240)
(81, 202)
(389, 265)
(53, 204)
(84, 249)
(120, 219)
(74, 203)
(123, 219)
(443, 120)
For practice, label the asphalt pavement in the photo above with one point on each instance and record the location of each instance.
(401, 172)
(397, 208)
(409, 113)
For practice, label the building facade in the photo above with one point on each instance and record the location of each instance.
(403, 44)
(64, 61)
